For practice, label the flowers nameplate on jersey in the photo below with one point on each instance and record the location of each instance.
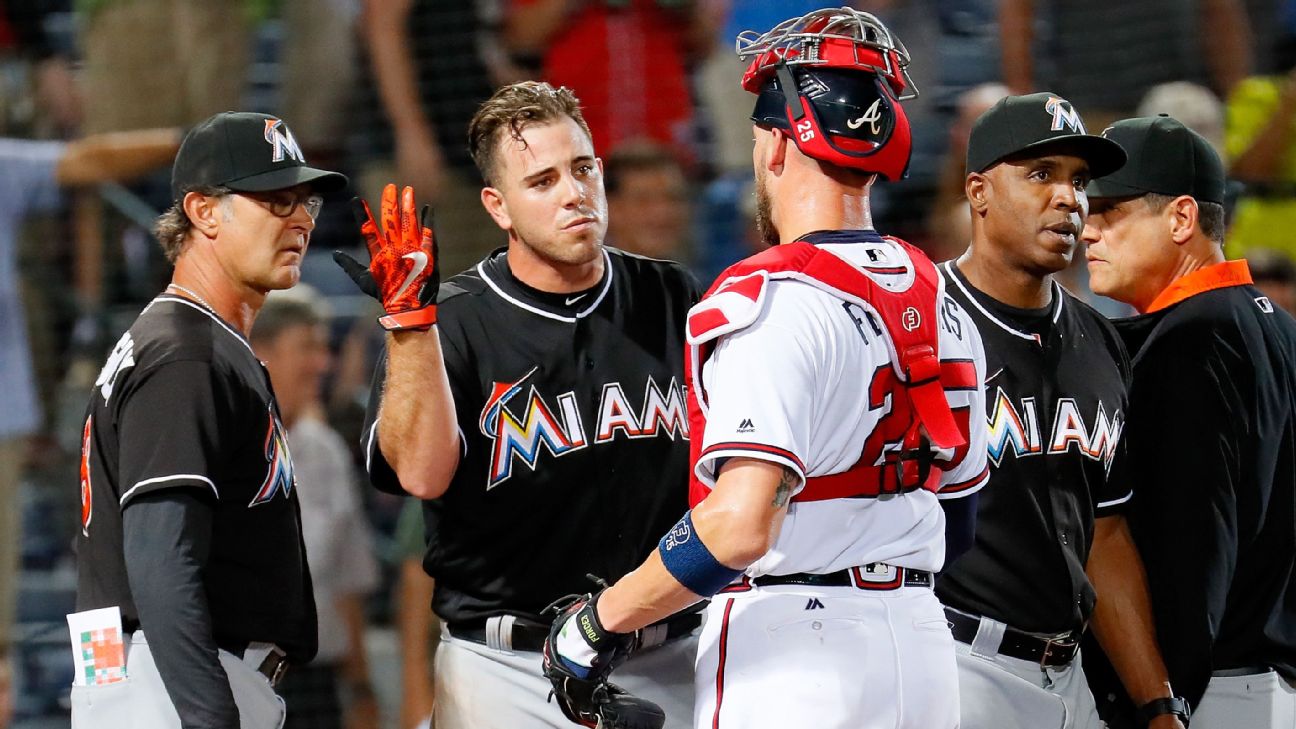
(279, 476)
(1018, 430)
(521, 438)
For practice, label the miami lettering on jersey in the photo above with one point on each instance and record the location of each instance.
(279, 476)
(521, 438)
(1017, 430)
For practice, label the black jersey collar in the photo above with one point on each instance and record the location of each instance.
(982, 302)
(174, 299)
(495, 271)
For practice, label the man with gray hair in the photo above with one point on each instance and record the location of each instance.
(190, 524)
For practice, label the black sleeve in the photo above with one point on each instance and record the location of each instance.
(175, 421)
(1183, 516)
(960, 526)
(166, 541)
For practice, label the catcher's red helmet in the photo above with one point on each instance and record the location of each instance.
(832, 79)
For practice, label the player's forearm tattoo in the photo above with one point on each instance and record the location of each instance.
(783, 493)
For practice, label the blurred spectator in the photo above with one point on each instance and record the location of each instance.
(648, 206)
(163, 62)
(291, 337)
(627, 61)
(1103, 56)
(431, 63)
(949, 222)
(1193, 104)
(1260, 141)
(319, 70)
(727, 106)
(1274, 273)
(6, 688)
(417, 628)
(24, 36)
(33, 172)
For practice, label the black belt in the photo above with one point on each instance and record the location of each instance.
(524, 634)
(1051, 652)
(869, 577)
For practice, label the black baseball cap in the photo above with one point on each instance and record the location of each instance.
(246, 152)
(1165, 157)
(1037, 124)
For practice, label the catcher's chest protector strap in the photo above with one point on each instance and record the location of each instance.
(909, 317)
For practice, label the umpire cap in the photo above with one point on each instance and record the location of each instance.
(1038, 124)
(246, 152)
(1165, 157)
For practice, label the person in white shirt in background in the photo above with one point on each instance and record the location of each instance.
(291, 338)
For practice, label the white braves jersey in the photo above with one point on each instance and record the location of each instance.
(793, 387)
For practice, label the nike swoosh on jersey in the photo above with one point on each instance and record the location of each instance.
(574, 299)
(420, 260)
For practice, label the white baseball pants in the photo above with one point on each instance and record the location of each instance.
(824, 657)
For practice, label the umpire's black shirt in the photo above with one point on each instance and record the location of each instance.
(1056, 400)
(574, 426)
(1212, 441)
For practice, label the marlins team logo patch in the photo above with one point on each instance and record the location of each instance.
(521, 434)
(1064, 115)
(283, 143)
(279, 476)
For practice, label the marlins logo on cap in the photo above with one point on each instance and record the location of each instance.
(283, 141)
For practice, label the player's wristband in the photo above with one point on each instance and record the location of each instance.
(689, 561)
(417, 319)
(1173, 705)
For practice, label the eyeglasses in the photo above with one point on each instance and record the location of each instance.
(283, 203)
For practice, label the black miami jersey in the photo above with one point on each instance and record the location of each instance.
(1056, 394)
(574, 431)
(182, 403)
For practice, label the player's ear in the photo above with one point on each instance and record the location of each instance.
(975, 188)
(495, 205)
(777, 150)
(1181, 215)
(203, 212)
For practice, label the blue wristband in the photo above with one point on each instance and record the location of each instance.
(689, 561)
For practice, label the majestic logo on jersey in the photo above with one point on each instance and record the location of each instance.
(279, 476)
(121, 358)
(522, 437)
(1064, 115)
(281, 140)
(1017, 430)
(87, 496)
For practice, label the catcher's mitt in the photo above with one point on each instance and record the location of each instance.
(583, 693)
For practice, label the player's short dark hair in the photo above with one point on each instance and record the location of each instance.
(172, 227)
(512, 109)
(282, 312)
(1210, 216)
(639, 155)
